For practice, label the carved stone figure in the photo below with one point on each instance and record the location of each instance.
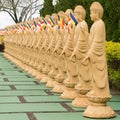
(54, 69)
(100, 93)
(72, 73)
(80, 50)
(60, 77)
(57, 50)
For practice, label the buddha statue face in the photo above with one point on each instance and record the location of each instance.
(96, 11)
(79, 13)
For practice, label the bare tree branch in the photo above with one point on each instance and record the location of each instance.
(11, 15)
(20, 10)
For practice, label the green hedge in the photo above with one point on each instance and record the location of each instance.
(113, 60)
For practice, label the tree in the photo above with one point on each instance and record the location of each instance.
(66, 4)
(111, 14)
(20, 10)
(48, 8)
(112, 19)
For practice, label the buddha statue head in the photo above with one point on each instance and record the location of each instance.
(61, 14)
(79, 13)
(54, 17)
(96, 11)
(67, 15)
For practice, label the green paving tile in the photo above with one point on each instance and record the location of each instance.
(30, 87)
(13, 73)
(19, 75)
(7, 65)
(114, 105)
(15, 77)
(17, 83)
(44, 99)
(66, 116)
(75, 108)
(5, 88)
(19, 93)
(3, 60)
(1, 79)
(9, 69)
(115, 98)
(4, 70)
(15, 116)
(20, 79)
(31, 107)
(8, 100)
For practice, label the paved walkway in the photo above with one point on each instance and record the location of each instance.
(24, 98)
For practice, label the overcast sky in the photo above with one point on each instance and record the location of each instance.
(5, 20)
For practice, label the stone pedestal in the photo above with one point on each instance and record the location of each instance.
(51, 83)
(39, 76)
(59, 88)
(80, 101)
(34, 72)
(45, 79)
(98, 108)
(69, 93)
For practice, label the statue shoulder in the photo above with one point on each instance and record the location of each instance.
(83, 25)
(100, 24)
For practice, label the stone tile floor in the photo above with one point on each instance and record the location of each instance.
(24, 98)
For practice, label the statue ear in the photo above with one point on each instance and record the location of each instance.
(98, 15)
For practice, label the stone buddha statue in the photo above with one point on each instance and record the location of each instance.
(72, 73)
(41, 39)
(60, 77)
(80, 50)
(100, 93)
(54, 69)
(57, 51)
(44, 46)
(50, 60)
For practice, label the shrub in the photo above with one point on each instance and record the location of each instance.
(113, 60)
(1, 39)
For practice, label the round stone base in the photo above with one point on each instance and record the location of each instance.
(39, 76)
(80, 101)
(94, 111)
(30, 70)
(45, 79)
(69, 93)
(59, 88)
(51, 83)
(34, 73)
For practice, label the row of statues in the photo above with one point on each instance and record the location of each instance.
(72, 62)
